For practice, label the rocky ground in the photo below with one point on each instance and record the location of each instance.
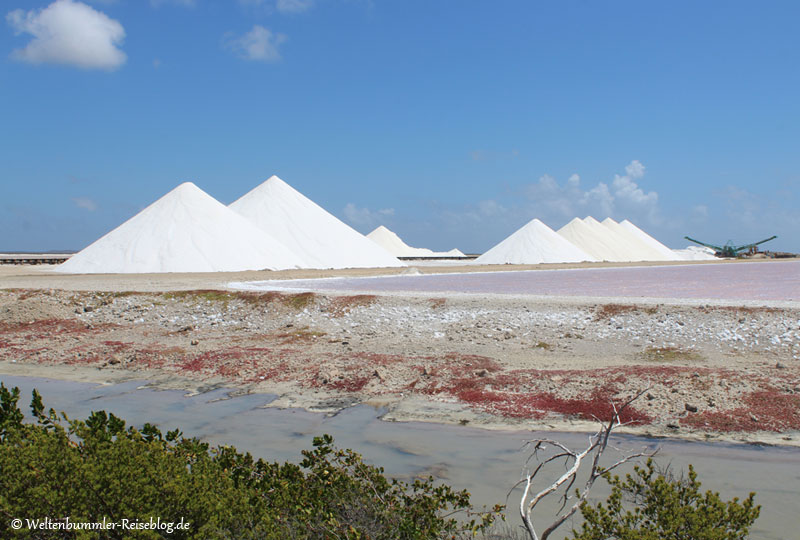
(709, 371)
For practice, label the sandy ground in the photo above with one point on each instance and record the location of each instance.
(717, 371)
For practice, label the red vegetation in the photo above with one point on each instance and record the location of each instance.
(117, 346)
(596, 406)
(49, 328)
(342, 305)
(766, 410)
(606, 311)
(355, 383)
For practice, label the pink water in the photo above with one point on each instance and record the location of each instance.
(773, 280)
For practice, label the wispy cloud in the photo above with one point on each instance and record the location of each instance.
(621, 197)
(286, 7)
(184, 3)
(365, 216)
(293, 6)
(85, 203)
(69, 33)
(259, 44)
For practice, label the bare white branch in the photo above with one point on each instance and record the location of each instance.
(597, 444)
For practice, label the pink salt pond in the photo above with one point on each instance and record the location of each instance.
(750, 281)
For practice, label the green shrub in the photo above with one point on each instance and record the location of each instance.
(665, 508)
(99, 468)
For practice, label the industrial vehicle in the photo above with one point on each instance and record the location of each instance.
(731, 250)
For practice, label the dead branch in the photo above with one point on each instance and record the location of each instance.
(597, 444)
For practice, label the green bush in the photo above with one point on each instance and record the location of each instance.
(100, 469)
(665, 508)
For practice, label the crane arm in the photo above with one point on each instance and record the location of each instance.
(716, 248)
(754, 244)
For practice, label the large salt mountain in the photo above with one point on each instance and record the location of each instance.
(667, 253)
(640, 248)
(308, 229)
(186, 230)
(596, 240)
(392, 243)
(534, 243)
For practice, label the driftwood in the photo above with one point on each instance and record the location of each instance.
(598, 443)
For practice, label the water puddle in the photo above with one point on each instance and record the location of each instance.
(487, 463)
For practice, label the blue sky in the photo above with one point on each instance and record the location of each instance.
(453, 123)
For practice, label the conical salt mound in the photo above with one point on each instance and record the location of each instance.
(310, 231)
(669, 254)
(596, 240)
(644, 251)
(533, 244)
(392, 243)
(186, 230)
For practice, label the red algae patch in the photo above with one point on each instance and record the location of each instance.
(766, 410)
(598, 405)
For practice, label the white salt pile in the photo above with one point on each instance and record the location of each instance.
(307, 229)
(392, 243)
(666, 252)
(186, 230)
(533, 244)
(596, 240)
(695, 253)
(639, 247)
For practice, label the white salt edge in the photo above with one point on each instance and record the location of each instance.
(186, 230)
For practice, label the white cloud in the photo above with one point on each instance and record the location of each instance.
(85, 203)
(365, 216)
(635, 169)
(70, 33)
(574, 182)
(258, 44)
(628, 190)
(599, 199)
(621, 198)
(293, 6)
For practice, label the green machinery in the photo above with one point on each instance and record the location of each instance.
(731, 250)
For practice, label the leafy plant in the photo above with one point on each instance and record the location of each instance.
(665, 508)
(100, 468)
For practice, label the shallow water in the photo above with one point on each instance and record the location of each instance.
(752, 281)
(486, 463)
